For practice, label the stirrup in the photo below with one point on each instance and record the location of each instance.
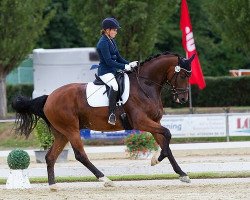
(112, 119)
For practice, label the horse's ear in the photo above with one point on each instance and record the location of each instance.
(191, 59)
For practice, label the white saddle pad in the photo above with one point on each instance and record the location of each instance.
(96, 98)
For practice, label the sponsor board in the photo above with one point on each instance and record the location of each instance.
(239, 125)
(195, 125)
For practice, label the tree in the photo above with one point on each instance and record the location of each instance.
(62, 31)
(21, 23)
(216, 53)
(141, 22)
(232, 19)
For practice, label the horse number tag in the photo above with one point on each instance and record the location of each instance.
(177, 68)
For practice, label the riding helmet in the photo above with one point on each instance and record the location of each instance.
(111, 23)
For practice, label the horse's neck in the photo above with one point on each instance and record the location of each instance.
(156, 71)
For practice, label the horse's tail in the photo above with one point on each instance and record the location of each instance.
(28, 112)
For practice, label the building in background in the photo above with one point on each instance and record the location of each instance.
(23, 74)
(49, 69)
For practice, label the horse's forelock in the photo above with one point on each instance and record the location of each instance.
(184, 63)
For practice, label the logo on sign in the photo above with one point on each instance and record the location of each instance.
(189, 39)
(243, 124)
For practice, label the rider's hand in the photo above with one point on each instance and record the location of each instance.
(127, 67)
(133, 64)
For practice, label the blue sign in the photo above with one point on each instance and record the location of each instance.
(90, 134)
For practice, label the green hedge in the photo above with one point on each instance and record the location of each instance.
(219, 92)
(14, 90)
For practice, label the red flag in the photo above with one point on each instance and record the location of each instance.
(189, 46)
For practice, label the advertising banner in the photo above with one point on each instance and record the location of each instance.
(239, 125)
(195, 125)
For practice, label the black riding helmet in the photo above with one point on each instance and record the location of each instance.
(110, 23)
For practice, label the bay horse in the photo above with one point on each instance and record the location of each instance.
(66, 111)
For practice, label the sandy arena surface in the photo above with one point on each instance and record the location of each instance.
(216, 189)
(198, 189)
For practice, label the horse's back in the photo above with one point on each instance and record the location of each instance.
(65, 99)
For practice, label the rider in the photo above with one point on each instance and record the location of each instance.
(110, 62)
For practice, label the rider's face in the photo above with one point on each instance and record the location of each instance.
(112, 33)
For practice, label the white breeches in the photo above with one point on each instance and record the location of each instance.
(110, 80)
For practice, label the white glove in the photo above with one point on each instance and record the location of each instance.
(127, 67)
(133, 64)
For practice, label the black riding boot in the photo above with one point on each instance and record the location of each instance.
(112, 105)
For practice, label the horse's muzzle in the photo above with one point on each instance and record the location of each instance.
(181, 100)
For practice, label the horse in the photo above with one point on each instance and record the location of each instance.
(66, 111)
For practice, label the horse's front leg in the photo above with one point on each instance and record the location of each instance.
(166, 152)
(162, 136)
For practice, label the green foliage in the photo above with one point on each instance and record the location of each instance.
(14, 90)
(21, 23)
(18, 159)
(140, 143)
(234, 19)
(141, 22)
(44, 135)
(219, 92)
(217, 54)
(62, 32)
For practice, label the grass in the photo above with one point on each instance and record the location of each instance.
(208, 175)
(8, 138)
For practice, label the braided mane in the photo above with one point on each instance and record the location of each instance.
(157, 55)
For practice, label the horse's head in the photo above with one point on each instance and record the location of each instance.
(179, 79)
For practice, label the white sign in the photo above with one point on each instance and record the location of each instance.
(239, 125)
(195, 125)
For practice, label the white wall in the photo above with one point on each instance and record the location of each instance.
(57, 67)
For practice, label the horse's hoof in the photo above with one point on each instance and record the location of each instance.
(109, 184)
(53, 188)
(154, 160)
(107, 181)
(185, 179)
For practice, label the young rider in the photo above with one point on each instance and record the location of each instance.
(110, 62)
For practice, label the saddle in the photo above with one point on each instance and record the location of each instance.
(120, 81)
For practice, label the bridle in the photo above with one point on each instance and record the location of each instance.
(172, 82)
(177, 91)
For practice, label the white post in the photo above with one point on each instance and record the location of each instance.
(18, 179)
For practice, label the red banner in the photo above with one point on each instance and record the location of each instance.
(189, 46)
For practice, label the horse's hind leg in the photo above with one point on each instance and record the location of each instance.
(53, 153)
(81, 156)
